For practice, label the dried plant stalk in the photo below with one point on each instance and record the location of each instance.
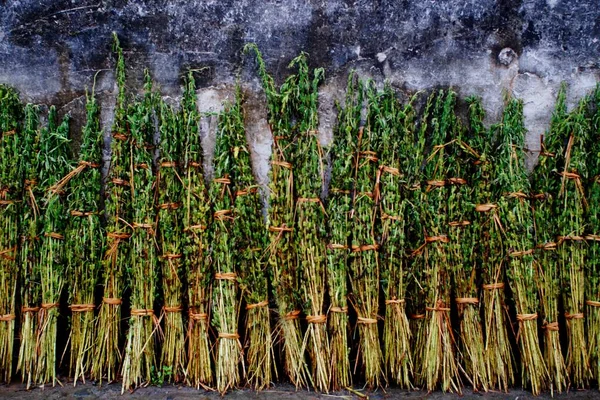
(226, 300)
(592, 289)
(439, 367)
(571, 206)
(107, 355)
(488, 229)
(139, 359)
(11, 186)
(281, 252)
(30, 227)
(54, 164)
(462, 257)
(394, 170)
(85, 241)
(545, 188)
(516, 218)
(339, 208)
(196, 219)
(173, 357)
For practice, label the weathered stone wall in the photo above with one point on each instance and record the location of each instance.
(50, 50)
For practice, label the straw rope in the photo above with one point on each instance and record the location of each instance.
(224, 181)
(82, 307)
(574, 316)
(390, 170)
(113, 301)
(226, 276)
(5, 253)
(169, 206)
(120, 182)
(457, 181)
(416, 316)
(283, 164)
(366, 321)
(385, 216)
(173, 309)
(263, 303)
(552, 326)
(29, 309)
(9, 133)
(441, 238)
(592, 303)
(142, 312)
(493, 286)
(341, 310)
(171, 256)
(195, 227)
(7, 317)
(119, 136)
(48, 306)
(222, 215)
(168, 164)
(198, 316)
(116, 235)
(282, 228)
(521, 253)
(526, 317)
(232, 336)
(247, 191)
(459, 223)
(394, 301)
(466, 300)
(316, 319)
(365, 247)
(138, 225)
(439, 306)
(292, 315)
(592, 237)
(77, 213)
(54, 235)
(436, 183)
(517, 195)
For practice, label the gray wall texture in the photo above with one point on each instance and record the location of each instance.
(51, 50)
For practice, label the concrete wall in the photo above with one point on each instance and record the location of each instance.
(50, 50)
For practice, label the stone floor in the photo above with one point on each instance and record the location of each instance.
(279, 392)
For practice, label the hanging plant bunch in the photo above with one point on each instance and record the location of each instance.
(196, 219)
(309, 237)
(462, 258)
(142, 269)
(511, 188)
(488, 229)
(570, 211)
(281, 251)
(84, 241)
(30, 228)
(107, 355)
(171, 243)
(251, 239)
(229, 357)
(364, 267)
(397, 138)
(438, 362)
(54, 164)
(339, 208)
(11, 186)
(417, 280)
(545, 187)
(592, 272)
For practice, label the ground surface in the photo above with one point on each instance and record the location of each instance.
(280, 392)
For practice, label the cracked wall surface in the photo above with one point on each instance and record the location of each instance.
(51, 50)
